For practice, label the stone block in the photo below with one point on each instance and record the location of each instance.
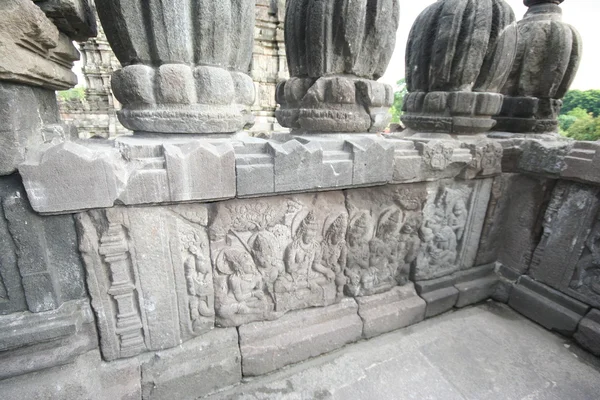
(41, 263)
(476, 285)
(588, 332)
(19, 132)
(75, 18)
(151, 289)
(194, 369)
(33, 50)
(507, 280)
(386, 312)
(546, 306)
(298, 336)
(32, 342)
(87, 378)
(439, 294)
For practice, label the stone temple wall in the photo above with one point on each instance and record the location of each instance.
(96, 114)
(176, 261)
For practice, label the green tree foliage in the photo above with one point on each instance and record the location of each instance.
(587, 100)
(580, 125)
(77, 93)
(399, 93)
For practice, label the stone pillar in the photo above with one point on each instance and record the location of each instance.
(458, 57)
(335, 54)
(185, 64)
(548, 57)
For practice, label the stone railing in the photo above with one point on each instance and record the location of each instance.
(174, 262)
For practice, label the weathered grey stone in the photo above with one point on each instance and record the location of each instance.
(333, 87)
(453, 221)
(33, 50)
(277, 254)
(581, 163)
(32, 342)
(81, 175)
(439, 294)
(546, 306)
(87, 378)
(195, 369)
(383, 237)
(184, 64)
(391, 310)
(459, 54)
(507, 280)
(41, 264)
(28, 118)
(588, 332)
(545, 157)
(476, 285)
(547, 59)
(513, 223)
(298, 336)
(72, 17)
(566, 258)
(151, 289)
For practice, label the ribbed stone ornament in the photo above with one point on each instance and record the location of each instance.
(459, 55)
(336, 50)
(548, 56)
(185, 63)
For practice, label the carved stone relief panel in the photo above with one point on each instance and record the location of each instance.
(567, 256)
(149, 275)
(277, 254)
(383, 238)
(453, 219)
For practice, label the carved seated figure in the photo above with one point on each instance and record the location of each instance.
(265, 252)
(408, 248)
(458, 219)
(388, 233)
(438, 255)
(199, 286)
(306, 282)
(240, 297)
(380, 276)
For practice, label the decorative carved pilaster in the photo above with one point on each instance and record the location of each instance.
(185, 63)
(335, 52)
(459, 55)
(548, 57)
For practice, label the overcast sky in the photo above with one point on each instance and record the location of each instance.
(583, 14)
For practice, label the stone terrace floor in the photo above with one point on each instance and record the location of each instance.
(483, 352)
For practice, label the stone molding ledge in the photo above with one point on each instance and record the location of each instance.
(136, 170)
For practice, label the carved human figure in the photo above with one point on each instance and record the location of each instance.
(440, 239)
(265, 252)
(357, 259)
(244, 285)
(458, 219)
(334, 251)
(199, 285)
(303, 261)
(388, 234)
(408, 248)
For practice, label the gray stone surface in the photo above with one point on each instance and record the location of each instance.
(548, 56)
(439, 294)
(87, 378)
(386, 312)
(298, 336)
(182, 74)
(75, 18)
(546, 306)
(33, 50)
(513, 223)
(32, 342)
(194, 369)
(333, 86)
(19, 130)
(455, 67)
(588, 332)
(476, 285)
(487, 352)
(151, 289)
(40, 262)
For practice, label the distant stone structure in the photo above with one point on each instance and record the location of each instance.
(95, 115)
(177, 260)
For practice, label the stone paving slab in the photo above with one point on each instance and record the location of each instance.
(478, 353)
